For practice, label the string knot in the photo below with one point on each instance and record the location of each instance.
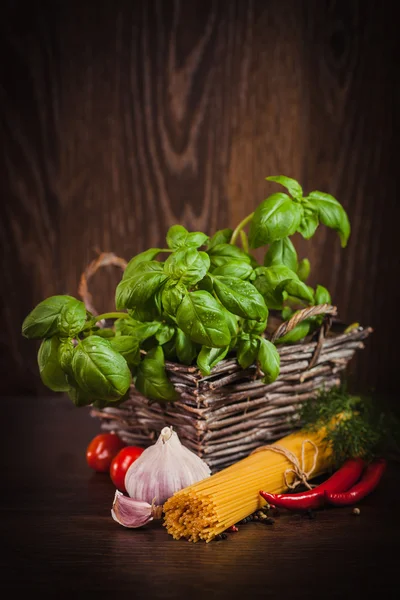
(297, 469)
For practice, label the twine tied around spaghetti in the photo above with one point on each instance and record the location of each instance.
(298, 469)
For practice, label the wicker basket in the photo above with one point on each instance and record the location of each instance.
(226, 415)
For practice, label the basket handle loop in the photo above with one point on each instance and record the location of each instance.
(103, 260)
(321, 309)
(300, 315)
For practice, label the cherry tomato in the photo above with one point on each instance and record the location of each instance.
(101, 451)
(121, 463)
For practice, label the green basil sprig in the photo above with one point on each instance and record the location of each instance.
(281, 215)
(197, 301)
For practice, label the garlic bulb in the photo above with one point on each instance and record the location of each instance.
(163, 469)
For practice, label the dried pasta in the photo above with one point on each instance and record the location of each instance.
(208, 507)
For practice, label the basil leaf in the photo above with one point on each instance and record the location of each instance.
(287, 312)
(152, 380)
(98, 403)
(296, 334)
(104, 332)
(298, 289)
(202, 318)
(224, 253)
(275, 218)
(78, 396)
(331, 213)
(247, 351)
(269, 360)
(72, 318)
(42, 321)
(128, 346)
(137, 289)
(144, 331)
(233, 326)
(293, 186)
(196, 239)
(185, 349)
(209, 357)
(165, 333)
(308, 225)
(50, 369)
(157, 298)
(282, 252)
(141, 331)
(322, 295)
(187, 265)
(303, 270)
(178, 236)
(234, 268)
(258, 327)
(223, 236)
(206, 284)
(240, 298)
(99, 370)
(145, 256)
(126, 326)
(171, 297)
(65, 355)
(271, 283)
(169, 349)
(231, 321)
(146, 312)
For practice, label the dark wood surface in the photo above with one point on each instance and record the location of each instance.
(121, 118)
(58, 534)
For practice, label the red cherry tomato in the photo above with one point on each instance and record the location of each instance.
(121, 463)
(101, 451)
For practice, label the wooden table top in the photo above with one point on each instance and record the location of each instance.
(58, 534)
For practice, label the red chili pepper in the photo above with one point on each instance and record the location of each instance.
(340, 481)
(368, 482)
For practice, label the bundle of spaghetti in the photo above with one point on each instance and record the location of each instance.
(209, 507)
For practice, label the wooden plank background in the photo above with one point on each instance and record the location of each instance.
(120, 118)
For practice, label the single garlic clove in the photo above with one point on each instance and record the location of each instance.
(132, 513)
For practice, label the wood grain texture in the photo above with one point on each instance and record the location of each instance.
(119, 119)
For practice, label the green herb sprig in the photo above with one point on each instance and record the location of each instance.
(195, 301)
(355, 425)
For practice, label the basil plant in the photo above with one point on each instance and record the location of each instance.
(195, 302)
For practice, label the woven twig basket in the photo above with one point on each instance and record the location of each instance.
(226, 415)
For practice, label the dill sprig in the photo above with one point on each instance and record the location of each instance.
(363, 429)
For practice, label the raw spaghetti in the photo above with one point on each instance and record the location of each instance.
(207, 508)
